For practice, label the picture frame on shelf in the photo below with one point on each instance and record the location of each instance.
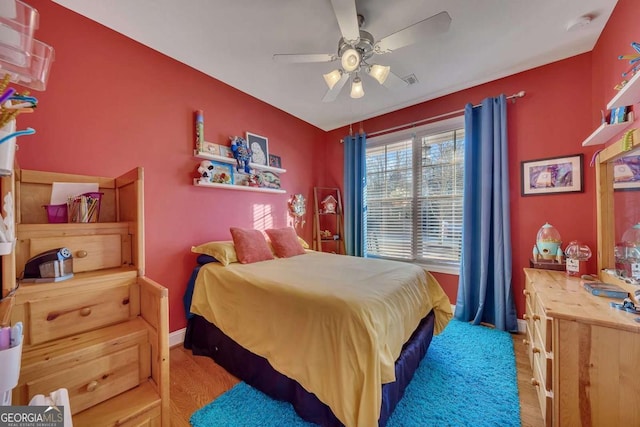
(269, 179)
(259, 146)
(626, 173)
(275, 161)
(240, 178)
(552, 175)
(225, 151)
(222, 173)
(209, 148)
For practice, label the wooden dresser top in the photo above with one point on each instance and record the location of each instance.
(564, 297)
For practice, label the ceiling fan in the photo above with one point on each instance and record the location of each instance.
(356, 47)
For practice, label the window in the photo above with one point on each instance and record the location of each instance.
(414, 195)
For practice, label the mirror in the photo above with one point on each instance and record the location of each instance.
(618, 212)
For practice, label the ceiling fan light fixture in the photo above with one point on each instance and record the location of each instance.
(350, 60)
(379, 72)
(332, 78)
(357, 91)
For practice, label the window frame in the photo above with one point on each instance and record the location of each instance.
(416, 134)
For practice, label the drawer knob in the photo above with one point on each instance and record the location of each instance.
(525, 316)
(534, 382)
(92, 386)
(536, 317)
(525, 342)
(85, 311)
(535, 350)
(81, 254)
(525, 292)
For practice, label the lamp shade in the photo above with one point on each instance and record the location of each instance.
(379, 72)
(356, 88)
(350, 60)
(332, 78)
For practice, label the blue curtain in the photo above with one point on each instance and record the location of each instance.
(355, 184)
(484, 289)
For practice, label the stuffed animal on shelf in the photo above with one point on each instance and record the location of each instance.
(206, 171)
(241, 152)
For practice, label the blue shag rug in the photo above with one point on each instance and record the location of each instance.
(467, 378)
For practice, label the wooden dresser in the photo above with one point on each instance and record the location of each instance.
(103, 334)
(585, 355)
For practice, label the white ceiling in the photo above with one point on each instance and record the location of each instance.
(234, 40)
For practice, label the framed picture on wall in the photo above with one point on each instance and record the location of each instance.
(259, 146)
(553, 175)
(626, 173)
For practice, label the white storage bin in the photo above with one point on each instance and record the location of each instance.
(7, 149)
(9, 372)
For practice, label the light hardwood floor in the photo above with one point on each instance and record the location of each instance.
(197, 380)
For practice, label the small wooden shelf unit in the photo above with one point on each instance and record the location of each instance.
(104, 333)
(332, 222)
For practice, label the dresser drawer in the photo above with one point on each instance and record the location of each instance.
(545, 397)
(56, 317)
(544, 365)
(94, 253)
(542, 324)
(93, 382)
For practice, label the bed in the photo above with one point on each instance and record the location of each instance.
(339, 337)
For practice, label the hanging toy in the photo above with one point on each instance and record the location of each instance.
(634, 59)
(241, 152)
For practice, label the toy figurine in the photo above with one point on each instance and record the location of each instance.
(241, 152)
(206, 171)
(634, 60)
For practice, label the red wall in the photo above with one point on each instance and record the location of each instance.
(622, 29)
(113, 104)
(561, 108)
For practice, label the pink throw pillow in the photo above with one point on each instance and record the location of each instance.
(251, 245)
(285, 242)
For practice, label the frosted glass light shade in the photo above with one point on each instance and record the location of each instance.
(356, 88)
(350, 60)
(332, 78)
(379, 72)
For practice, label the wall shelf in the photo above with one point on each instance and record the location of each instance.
(607, 131)
(238, 187)
(208, 156)
(628, 95)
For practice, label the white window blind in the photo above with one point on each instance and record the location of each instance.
(414, 195)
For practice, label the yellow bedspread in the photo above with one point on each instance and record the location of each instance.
(334, 323)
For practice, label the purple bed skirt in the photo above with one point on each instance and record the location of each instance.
(205, 339)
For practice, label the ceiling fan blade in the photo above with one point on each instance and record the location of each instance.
(333, 93)
(394, 82)
(347, 17)
(432, 26)
(309, 57)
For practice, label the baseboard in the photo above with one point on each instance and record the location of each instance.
(176, 337)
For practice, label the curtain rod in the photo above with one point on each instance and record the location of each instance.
(440, 116)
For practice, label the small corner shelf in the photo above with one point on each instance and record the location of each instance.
(607, 131)
(208, 156)
(628, 95)
(238, 187)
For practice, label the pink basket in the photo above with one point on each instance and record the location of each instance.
(56, 213)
